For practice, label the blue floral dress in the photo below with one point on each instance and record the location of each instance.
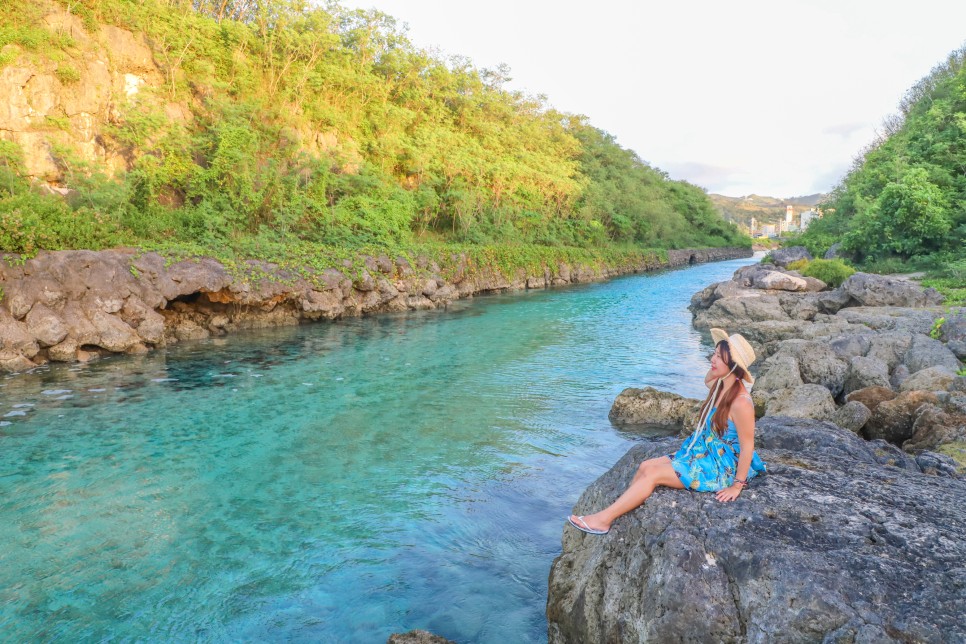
(707, 462)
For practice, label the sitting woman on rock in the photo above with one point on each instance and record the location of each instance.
(719, 457)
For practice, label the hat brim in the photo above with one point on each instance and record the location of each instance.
(720, 334)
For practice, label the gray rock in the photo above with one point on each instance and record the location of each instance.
(889, 347)
(829, 546)
(804, 401)
(953, 328)
(834, 301)
(899, 375)
(733, 313)
(650, 406)
(834, 251)
(800, 306)
(852, 416)
(818, 363)
(925, 352)
(850, 346)
(958, 347)
(880, 290)
(779, 372)
(938, 465)
(866, 372)
(886, 453)
(929, 379)
(785, 256)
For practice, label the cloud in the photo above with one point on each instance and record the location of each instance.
(714, 178)
(826, 180)
(844, 130)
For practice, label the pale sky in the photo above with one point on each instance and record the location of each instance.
(768, 97)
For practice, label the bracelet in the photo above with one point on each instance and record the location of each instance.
(741, 482)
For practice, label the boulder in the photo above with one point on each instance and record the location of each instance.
(818, 363)
(899, 375)
(834, 251)
(736, 312)
(866, 372)
(651, 406)
(871, 397)
(852, 345)
(814, 285)
(778, 372)
(833, 301)
(829, 546)
(804, 401)
(785, 256)
(929, 379)
(890, 347)
(892, 420)
(773, 280)
(934, 427)
(926, 352)
(852, 416)
(869, 289)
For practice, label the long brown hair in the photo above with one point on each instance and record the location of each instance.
(720, 421)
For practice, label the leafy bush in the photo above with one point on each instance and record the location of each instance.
(831, 271)
(798, 265)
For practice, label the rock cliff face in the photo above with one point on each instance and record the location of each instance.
(43, 109)
(843, 540)
(75, 305)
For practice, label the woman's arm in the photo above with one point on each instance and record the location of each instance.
(743, 413)
(708, 379)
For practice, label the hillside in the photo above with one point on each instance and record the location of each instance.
(903, 203)
(765, 210)
(238, 126)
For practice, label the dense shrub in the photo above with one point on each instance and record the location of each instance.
(831, 271)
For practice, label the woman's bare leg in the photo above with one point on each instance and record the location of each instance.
(651, 473)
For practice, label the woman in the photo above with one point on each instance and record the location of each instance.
(720, 455)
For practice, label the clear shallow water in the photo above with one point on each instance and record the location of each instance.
(334, 482)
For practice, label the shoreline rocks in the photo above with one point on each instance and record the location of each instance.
(843, 540)
(874, 333)
(66, 306)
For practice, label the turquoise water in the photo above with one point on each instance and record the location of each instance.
(333, 482)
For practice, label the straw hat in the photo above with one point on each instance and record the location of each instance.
(741, 351)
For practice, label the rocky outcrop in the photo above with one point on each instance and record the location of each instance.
(75, 305)
(843, 540)
(651, 406)
(785, 256)
(876, 340)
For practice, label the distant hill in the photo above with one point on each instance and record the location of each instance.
(766, 210)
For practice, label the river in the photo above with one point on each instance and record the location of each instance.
(332, 482)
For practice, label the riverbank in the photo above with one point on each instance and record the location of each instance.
(66, 306)
(861, 413)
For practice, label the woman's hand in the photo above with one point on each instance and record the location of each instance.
(729, 493)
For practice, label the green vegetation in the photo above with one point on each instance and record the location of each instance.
(316, 133)
(831, 271)
(902, 206)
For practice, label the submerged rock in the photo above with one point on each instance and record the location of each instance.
(831, 545)
(651, 406)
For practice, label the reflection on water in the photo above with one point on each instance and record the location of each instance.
(332, 482)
